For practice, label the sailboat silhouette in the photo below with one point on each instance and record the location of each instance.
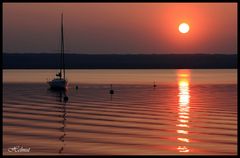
(60, 83)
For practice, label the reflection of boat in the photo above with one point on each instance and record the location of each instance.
(62, 137)
(60, 98)
(60, 82)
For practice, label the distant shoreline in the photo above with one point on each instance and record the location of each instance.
(120, 61)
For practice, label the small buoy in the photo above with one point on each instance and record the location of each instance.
(65, 98)
(77, 87)
(111, 90)
(154, 85)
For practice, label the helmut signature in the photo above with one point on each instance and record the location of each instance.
(18, 149)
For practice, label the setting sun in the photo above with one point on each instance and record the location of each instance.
(184, 28)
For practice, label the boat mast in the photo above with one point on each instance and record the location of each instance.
(61, 64)
(62, 48)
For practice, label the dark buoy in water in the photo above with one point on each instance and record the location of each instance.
(76, 87)
(65, 98)
(154, 85)
(111, 90)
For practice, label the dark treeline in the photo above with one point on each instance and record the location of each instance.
(110, 61)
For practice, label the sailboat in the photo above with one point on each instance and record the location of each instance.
(60, 82)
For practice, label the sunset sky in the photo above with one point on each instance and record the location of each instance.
(103, 28)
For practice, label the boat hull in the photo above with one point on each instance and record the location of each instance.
(58, 84)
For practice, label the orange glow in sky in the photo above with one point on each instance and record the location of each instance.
(121, 27)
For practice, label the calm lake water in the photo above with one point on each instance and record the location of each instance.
(189, 112)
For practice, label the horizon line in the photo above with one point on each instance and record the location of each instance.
(126, 53)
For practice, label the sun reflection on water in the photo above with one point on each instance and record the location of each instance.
(183, 110)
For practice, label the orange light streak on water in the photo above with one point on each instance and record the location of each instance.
(183, 109)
